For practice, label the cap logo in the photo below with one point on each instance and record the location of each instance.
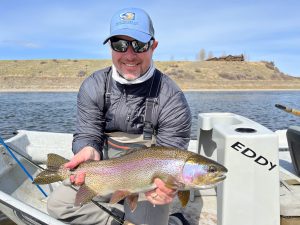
(127, 16)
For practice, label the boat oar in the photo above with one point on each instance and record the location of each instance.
(288, 110)
(21, 165)
(11, 150)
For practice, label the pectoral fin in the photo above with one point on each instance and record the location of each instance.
(183, 197)
(132, 201)
(172, 183)
(118, 196)
(84, 195)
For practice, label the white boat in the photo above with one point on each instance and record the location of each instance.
(24, 203)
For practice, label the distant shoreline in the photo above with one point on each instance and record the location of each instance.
(184, 90)
(236, 90)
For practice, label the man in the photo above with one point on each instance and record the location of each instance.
(130, 100)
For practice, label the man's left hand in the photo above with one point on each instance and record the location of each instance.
(161, 195)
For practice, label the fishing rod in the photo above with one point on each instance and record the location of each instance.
(27, 159)
(21, 165)
(288, 110)
(12, 151)
(116, 217)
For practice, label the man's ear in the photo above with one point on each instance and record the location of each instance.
(154, 45)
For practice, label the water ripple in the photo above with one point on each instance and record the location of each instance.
(56, 112)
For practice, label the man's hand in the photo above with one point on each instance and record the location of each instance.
(161, 195)
(85, 154)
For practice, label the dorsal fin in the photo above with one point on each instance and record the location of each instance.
(131, 151)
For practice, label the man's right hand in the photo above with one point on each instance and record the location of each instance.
(85, 154)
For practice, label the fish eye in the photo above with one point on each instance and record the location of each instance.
(212, 169)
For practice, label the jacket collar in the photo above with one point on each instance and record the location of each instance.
(146, 76)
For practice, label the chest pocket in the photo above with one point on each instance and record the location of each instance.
(136, 114)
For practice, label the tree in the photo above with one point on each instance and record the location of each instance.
(201, 55)
(210, 55)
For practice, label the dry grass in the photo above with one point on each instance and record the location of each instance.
(68, 74)
(50, 68)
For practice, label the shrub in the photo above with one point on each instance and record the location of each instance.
(269, 65)
(81, 73)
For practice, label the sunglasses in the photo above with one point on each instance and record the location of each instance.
(120, 45)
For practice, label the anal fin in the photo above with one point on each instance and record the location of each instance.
(132, 201)
(118, 196)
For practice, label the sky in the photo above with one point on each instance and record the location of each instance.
(71, 29)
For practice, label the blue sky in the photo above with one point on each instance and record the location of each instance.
(65, 29)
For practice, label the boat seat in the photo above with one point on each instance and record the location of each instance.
(293, 138)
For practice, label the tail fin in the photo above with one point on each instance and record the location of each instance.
(55, 161)
(52, 173)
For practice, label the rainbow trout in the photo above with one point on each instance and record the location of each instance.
(134, 173)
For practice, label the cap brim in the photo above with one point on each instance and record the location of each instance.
(135, 34)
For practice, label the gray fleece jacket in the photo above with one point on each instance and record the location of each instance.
(171, 115)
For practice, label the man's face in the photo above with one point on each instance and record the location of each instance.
(132, 65)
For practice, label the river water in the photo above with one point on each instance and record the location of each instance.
(55, 112)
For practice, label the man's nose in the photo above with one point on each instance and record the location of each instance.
(130, 51)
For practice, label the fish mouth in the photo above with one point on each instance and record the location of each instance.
(214, 182)
(218, 179)
(221, 177)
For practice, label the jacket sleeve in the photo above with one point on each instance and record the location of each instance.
(174, 123)
(90, 121)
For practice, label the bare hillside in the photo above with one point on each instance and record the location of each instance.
(68, 74)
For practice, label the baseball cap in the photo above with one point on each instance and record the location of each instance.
(132, 22)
